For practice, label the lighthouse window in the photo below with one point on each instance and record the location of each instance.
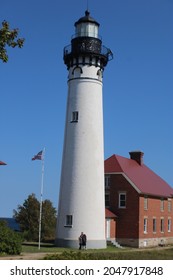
(75, 116)
(69, 220)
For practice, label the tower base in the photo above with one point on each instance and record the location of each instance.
(91, 244)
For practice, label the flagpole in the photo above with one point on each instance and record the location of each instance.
(41, 197)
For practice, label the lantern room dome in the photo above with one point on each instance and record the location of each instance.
(87, 18)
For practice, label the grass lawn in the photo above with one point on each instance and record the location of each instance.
(110, 253)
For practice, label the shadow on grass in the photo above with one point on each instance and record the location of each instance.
(35, 244)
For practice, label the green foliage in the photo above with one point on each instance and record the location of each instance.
(152, 254)
(28, 215)
(68, 255)
(78, 255)
(10, 241)
(8, 38)
(48, 220)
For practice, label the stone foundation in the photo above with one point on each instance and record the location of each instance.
(145, 242)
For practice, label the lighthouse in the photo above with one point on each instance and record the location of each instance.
(81, 205)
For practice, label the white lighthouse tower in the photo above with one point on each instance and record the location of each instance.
(81, 198)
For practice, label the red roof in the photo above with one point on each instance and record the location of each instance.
(140, 176)
(2, 163)
(109, 214)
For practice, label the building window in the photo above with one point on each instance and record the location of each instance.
(75, 116)
(107, 199)
(145, 225)
(162, 225)
(145, 203)
(162, 204)
(107, 181)
(169, 205)
(122, 200)
(169, 225)
(69, 221)
(154, 224)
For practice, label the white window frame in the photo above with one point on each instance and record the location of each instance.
(107, 181)
(169, 225)
(162, 204)
(120, 201)
(107, 201)
(145, 225)
(169, 205)
(162, 225)
(145, 202)
(154, 225)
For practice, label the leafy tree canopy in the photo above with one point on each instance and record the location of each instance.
(28, 214)
(8, 38)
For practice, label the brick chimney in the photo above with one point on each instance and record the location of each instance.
(138, 156)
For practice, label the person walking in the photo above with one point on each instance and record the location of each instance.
(82, 241)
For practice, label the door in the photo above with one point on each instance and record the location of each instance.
(108, 228)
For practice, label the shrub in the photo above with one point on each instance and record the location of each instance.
(78, 255)
(154, 254)
(10, 241)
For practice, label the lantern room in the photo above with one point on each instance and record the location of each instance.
(86, 26)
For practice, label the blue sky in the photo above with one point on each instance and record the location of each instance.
(138, 89)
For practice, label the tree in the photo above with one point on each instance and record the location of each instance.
(48, 220)
(10, 241)
(8, 38)
(27, 215)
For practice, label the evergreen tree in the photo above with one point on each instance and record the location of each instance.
(28, 215)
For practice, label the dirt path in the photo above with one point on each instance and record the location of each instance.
(26, 256)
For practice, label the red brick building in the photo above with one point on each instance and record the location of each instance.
(138, 203)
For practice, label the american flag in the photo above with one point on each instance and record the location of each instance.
(2, 163)
(38, 156)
